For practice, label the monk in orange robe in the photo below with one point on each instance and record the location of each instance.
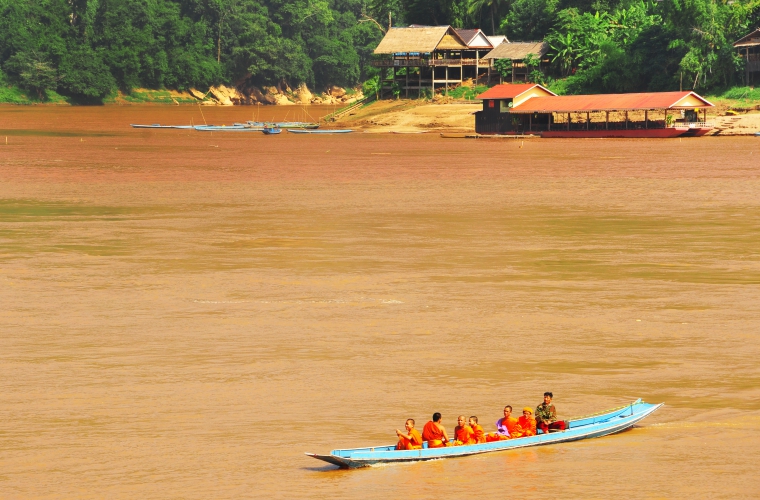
(506, 427)
(463, 433)
(477, 429)
(434, 433)
(527, 423)
(411, 439)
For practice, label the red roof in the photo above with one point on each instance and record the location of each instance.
(606, 102)
(509, 90)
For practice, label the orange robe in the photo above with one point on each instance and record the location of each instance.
(513, 426)
(433, 435)
(528, 426)
(464, 435)
(480, 436)
(410, 444)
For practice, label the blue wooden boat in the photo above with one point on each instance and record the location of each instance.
(593, 426)
(325, 131)
(271, 130)
(227, 128)
(158, 125)
(286, 125)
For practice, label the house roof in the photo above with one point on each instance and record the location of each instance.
(497, 39)
(510, 90)
(750, 40)
(612, 102)
(474, 38)
(518, 50)
(423, 39)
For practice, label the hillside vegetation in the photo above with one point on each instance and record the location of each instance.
(86, 50)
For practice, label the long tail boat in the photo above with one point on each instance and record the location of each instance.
(593, 426)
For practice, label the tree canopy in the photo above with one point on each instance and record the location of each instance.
(88, 48)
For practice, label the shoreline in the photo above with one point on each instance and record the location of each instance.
(413, 116)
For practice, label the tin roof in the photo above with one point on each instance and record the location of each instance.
(510, 90)
(474, 38)
(612, 102)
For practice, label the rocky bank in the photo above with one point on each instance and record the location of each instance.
(281, 95)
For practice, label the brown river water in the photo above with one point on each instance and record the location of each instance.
(183, 314)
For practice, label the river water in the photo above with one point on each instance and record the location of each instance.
(184, 314)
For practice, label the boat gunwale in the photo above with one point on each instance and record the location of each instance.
(596, 429)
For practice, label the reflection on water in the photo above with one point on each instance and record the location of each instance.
(184, 314)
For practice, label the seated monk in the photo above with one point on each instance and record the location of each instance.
(411, 440)
(505, 427)
(546, 415)
(434, 433)
(463, 433)
(477, 429)
(527, 423)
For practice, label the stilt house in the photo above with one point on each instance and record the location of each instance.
(517, 52)
(430, 57)
(749, 50)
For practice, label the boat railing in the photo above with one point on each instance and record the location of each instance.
(694, 124)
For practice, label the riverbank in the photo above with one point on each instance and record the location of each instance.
(418, 116)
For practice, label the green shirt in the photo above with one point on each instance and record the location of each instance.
(546, 413)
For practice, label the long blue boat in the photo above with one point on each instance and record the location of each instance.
(603, 424)
(321, 131)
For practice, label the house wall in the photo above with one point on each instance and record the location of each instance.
(534, 92)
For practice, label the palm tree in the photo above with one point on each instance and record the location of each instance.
(479, 5)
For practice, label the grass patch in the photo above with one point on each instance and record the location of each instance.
(155, 96)
(13, 95)
(467, 93)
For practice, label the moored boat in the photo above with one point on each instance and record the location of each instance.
(226, 128)
(323, 131)
(286, 125)
(603, 424)
(158, 125)
(271, 130)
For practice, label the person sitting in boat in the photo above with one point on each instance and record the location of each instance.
(411, 440)
(477, 429)
(463, 433)
(505, 427)
(546, 415)
(434, 433)
(527, 423)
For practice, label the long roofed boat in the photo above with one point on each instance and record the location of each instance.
(603, 424)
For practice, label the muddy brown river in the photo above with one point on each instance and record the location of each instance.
(183, 314)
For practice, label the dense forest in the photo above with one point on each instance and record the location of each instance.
(86, 49)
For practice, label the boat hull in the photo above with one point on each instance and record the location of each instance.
(655, 133)
(605, 424)
(308, 131)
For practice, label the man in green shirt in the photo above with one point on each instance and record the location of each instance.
(546, 415)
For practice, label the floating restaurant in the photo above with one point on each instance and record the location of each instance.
(533, 109)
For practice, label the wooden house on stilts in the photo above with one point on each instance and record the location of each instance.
(749, 50)
(430, 57)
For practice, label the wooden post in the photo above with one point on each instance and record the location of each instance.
(530, 123)
(477, 65)
(626, 120)
(419, 82)
(607, 121)
(568, 122)
(588, 119)
(406, 86)
(551, 115)
(746, 64)
(646, 118)
(446, 88)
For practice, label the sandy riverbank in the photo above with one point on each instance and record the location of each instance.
(413, 116)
